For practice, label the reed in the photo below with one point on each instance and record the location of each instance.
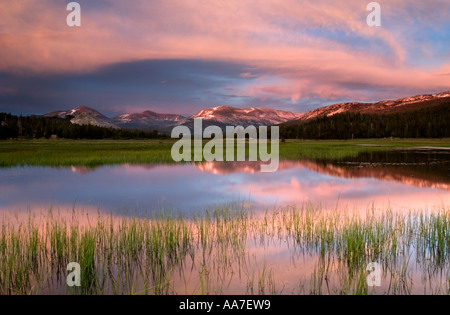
(223, 251)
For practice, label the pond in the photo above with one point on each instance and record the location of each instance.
(313, 228)
(407, 179)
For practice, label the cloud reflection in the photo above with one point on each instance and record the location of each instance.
(193, 188)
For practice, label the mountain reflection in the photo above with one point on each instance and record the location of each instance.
(421, 168)
(408, 180)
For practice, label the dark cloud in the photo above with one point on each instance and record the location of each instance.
(181, 86)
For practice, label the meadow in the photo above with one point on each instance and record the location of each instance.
(93, 153)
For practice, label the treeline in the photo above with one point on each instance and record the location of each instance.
(36, 127)
(425, 123)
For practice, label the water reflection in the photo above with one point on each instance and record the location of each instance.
(402, 180)
(292, 251)
(422, 168)
(259, 253)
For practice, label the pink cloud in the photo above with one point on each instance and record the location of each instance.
(264, 34)
(329, 193)
(247, 75)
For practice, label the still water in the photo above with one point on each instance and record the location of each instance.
(414, 179)
(275, 254)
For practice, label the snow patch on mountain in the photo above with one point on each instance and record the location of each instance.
(381, 107)
(230, 116)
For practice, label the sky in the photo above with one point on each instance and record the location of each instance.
(182, 56)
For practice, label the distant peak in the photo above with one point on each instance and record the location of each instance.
(149, 112)
(83, 109)
(222, 107)
(443, 94)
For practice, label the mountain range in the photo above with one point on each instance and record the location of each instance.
(147, 120)
(401, 105)
(220, 116)
(230, 116)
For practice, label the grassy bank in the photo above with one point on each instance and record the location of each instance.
(103, 152)
(338, 149)
(228, 251)
(90, 153)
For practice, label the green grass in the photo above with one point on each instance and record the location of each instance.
(104, 152)
(202, 255)
(338, 149)
(90, 153)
